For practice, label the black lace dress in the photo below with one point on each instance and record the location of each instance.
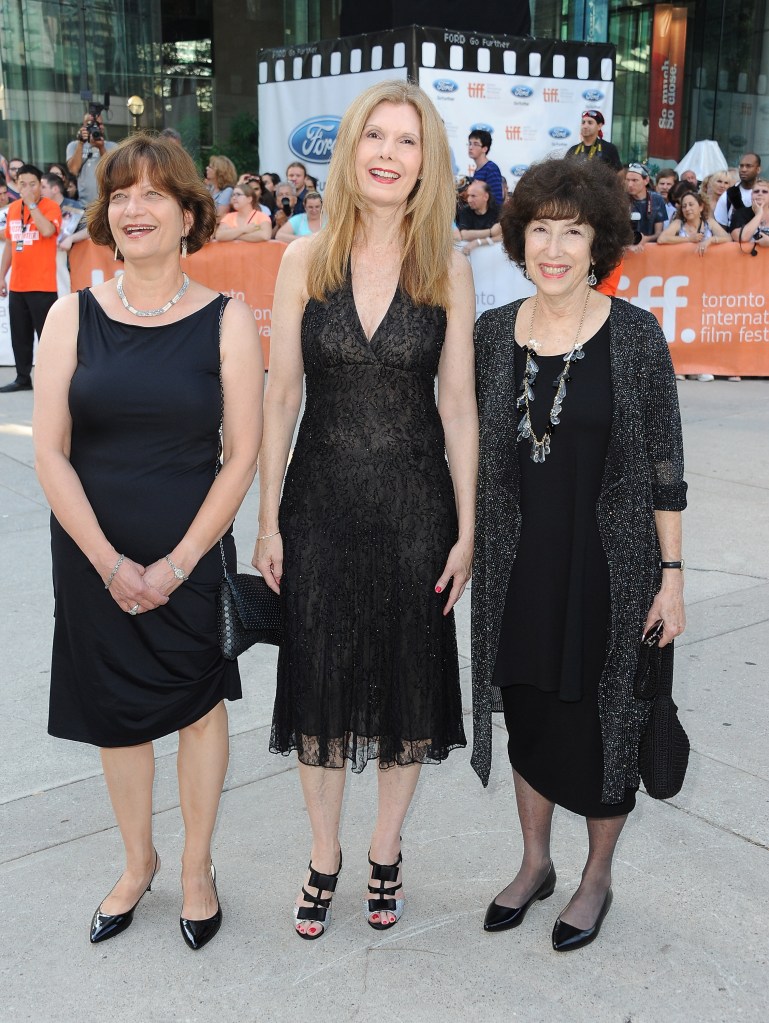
(368, 666)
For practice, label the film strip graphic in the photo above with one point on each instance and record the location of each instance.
(415, 47)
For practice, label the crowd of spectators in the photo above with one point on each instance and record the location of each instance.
(253, 207)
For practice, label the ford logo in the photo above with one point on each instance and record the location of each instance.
(764, 109)
(592, 95)
(522, 91)
(519, 170)
(559, 133)
(313, 140)
(480, 126)
(445, 85)
(738, 141)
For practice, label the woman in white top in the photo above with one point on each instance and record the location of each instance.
(694, 225)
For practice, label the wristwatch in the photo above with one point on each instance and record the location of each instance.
(31, 205)
(178, 572)
(673, 564)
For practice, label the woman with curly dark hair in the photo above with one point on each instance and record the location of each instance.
(578, 537)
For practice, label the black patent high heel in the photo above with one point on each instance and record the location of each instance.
(108, 925)
(319, 912)
(386, 874)
(198, 933)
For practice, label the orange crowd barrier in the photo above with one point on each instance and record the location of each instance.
(713, 309)
(244, 270)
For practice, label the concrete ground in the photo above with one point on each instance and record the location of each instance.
(687, 940)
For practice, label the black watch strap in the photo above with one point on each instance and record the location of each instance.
(673, 564)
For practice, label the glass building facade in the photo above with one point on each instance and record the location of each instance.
(193, 63)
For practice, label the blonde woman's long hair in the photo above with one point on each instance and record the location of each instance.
(430, 209)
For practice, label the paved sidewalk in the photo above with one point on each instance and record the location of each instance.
(687, 940)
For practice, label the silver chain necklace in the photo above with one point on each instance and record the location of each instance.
(152, 312)
(540, 446)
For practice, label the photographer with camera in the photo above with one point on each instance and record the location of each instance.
(85, 152)
(285, 204)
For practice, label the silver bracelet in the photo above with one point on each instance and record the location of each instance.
(178, 572)
(114, 571)
(268, 536)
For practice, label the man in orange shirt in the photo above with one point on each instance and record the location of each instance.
(31, 227)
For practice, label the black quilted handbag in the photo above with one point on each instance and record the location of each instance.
(249, 612)
(663, 755)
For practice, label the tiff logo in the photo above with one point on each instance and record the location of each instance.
(550, 95)
(476, 90)
(656, 293)
(513, 132)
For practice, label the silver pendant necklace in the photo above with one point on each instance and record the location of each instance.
(540, 446)
(152, 312)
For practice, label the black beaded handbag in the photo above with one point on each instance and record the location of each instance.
(248, 612)
(663, 754)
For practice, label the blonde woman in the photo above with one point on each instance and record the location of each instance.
(693, 225)
(372, 542)
(221, 178)
(714, 186)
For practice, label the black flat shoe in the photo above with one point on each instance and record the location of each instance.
(502, 918)
(17, 385)
(106, 925)
(198, 933)
(566, 937)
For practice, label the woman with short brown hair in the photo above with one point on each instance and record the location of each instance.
(135, 378)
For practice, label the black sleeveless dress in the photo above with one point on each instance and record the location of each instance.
(368, 667)
(145, 406)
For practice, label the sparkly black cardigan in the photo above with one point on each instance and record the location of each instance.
(643, 473)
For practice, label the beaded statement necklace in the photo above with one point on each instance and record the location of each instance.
(540, 446)
(152, 312)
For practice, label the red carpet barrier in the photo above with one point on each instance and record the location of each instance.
(714, 309)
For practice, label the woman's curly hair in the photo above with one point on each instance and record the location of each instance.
(587, 191)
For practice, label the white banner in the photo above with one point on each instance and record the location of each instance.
(62, 282)
(298, 120)
(528, 118)
(497, 280)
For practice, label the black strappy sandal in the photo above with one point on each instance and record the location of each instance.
(386, 875)
(320, 910)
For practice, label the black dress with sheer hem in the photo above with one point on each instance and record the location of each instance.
(145, 404)
(368, 666)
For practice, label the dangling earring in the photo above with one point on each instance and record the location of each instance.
(117, 253)
(184, 246)
(525, 273)
(592, 280)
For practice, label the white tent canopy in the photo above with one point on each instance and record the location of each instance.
(703, 158)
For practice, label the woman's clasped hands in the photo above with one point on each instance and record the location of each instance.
(148, 587)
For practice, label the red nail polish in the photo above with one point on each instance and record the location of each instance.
(438, 589)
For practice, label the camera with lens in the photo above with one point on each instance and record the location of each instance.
(635, 218)
(285, 203)
(95, 132)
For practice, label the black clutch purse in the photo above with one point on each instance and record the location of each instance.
(663, 755)
(248, 613)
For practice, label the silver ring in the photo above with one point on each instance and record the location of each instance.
(133, 610)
